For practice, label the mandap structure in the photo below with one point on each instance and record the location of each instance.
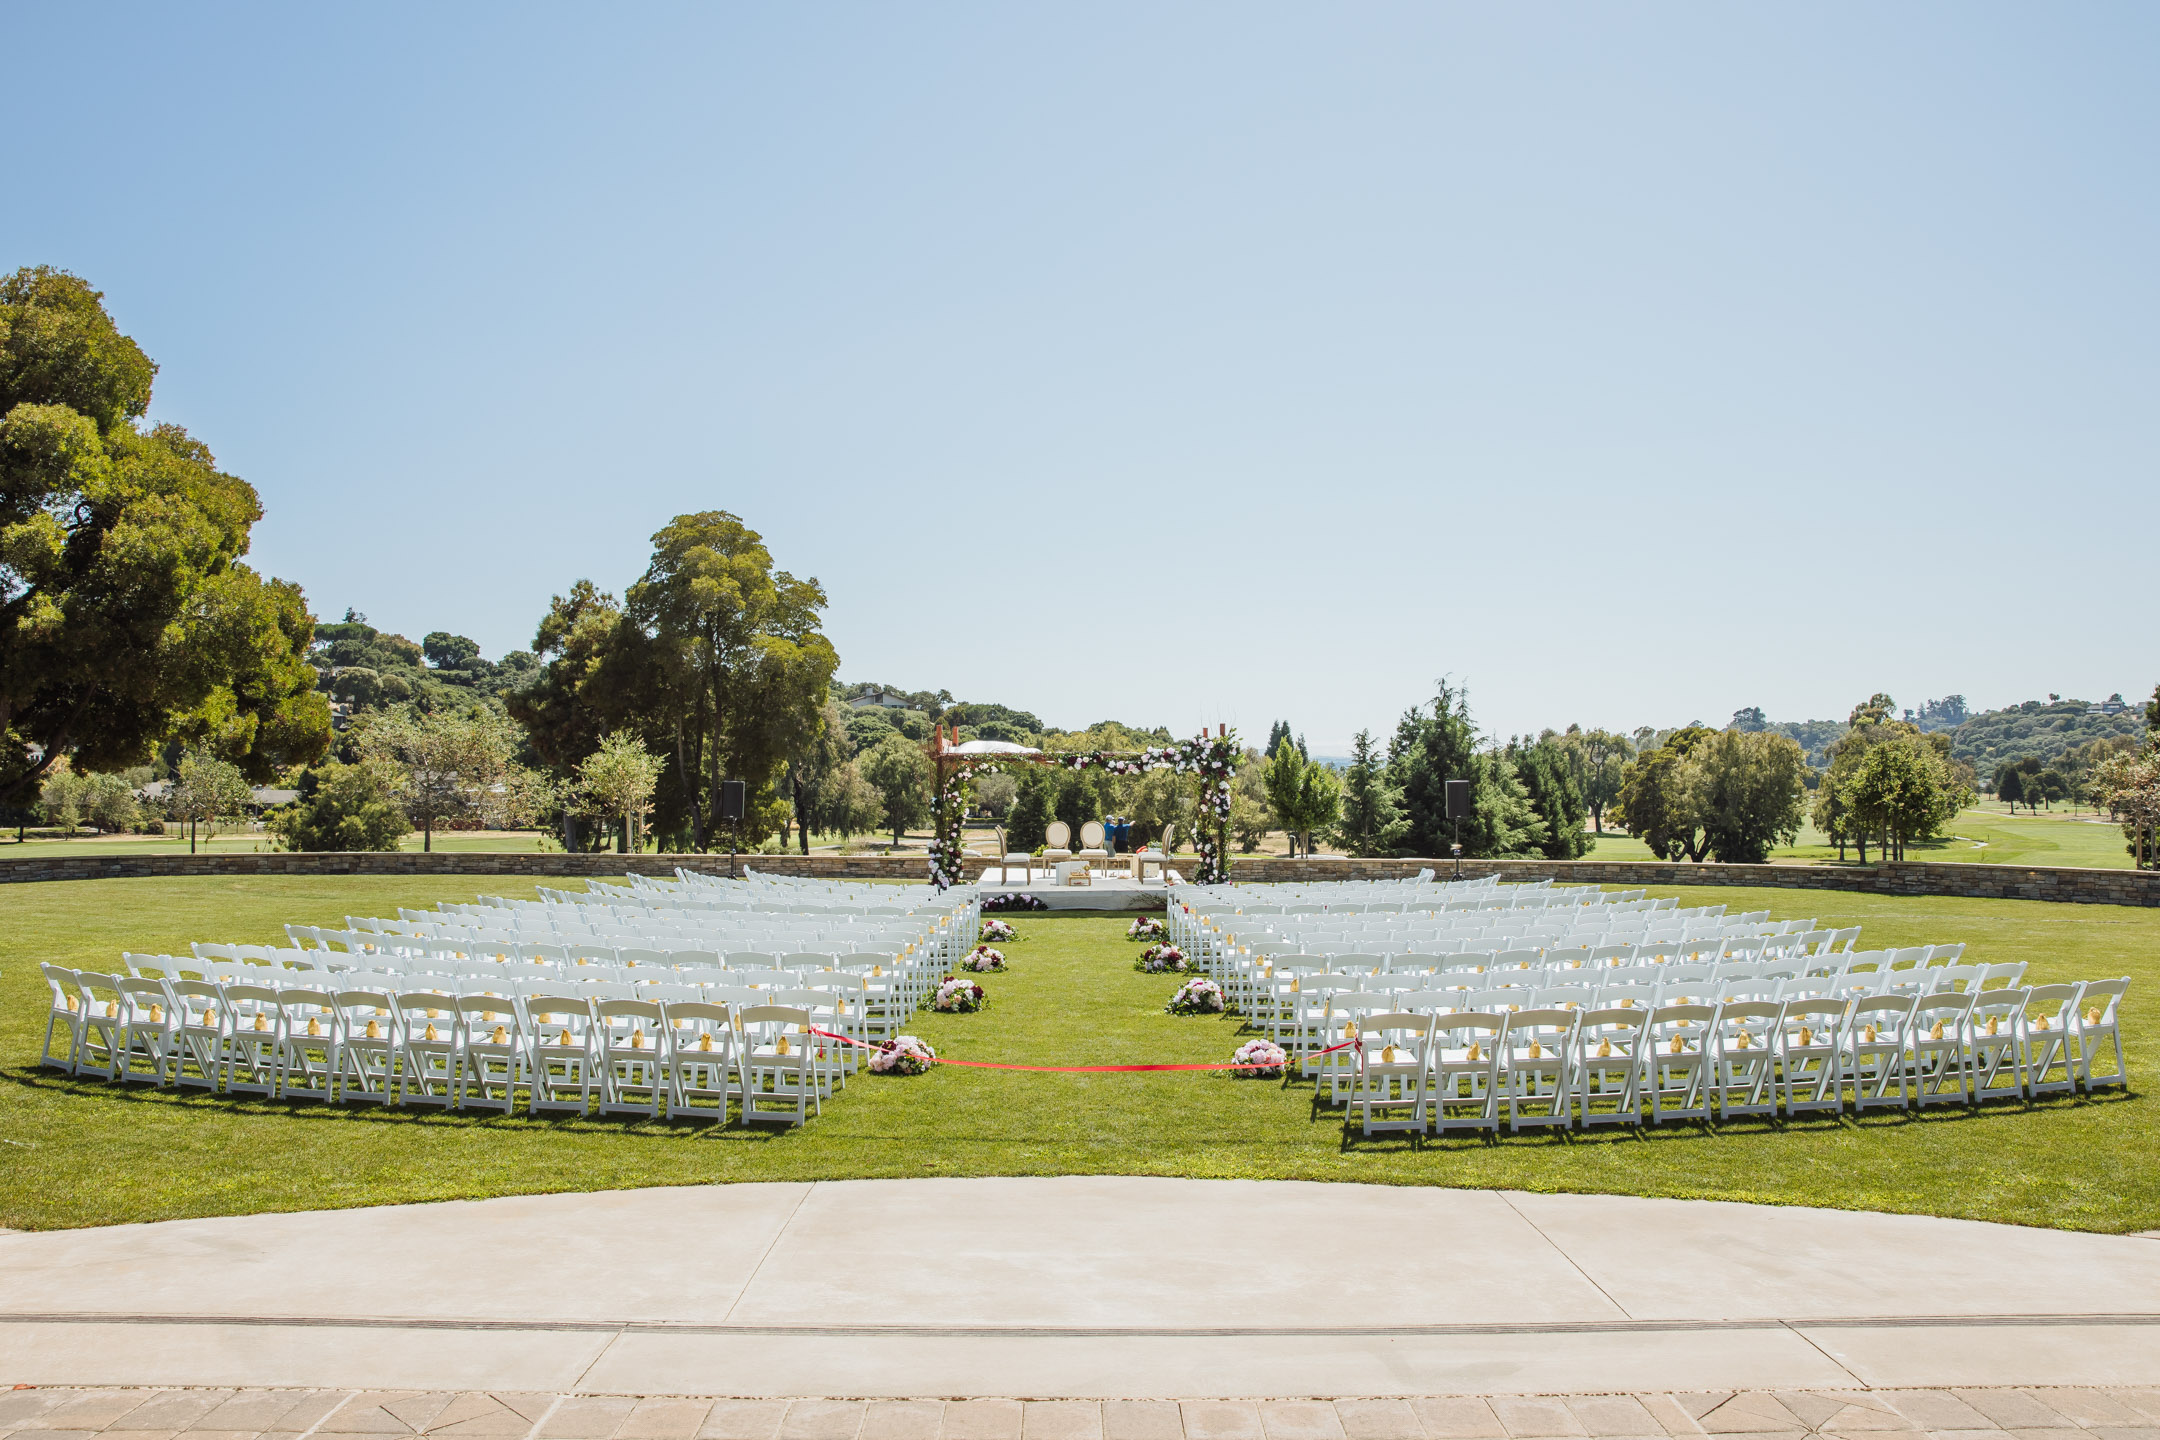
(1211, 758)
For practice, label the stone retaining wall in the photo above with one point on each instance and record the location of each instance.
(1914, 877)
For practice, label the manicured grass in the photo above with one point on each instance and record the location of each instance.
(83, 1153)
(254, 842)
(1980, 836)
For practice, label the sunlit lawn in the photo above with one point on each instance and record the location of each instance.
(1979, 836)
(80, 1153)
(249, 842)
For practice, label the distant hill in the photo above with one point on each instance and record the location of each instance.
(1815, 736)
(2041, 730)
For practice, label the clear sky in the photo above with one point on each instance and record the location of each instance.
(1179, 363)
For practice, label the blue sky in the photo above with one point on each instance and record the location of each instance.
(1185, 363)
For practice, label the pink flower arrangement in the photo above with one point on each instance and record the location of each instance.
(1161, 960)
(1259, 1060)
(957, 996)
(995, 929)
(1147, 927)
(902, 1055)
(1198, 996)
(984, 958)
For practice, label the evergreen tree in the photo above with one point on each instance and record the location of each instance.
(1025, 828)
(1372, 821)
(1503, 824)
(1277, 733)
(1550, 783)
(1429, 749)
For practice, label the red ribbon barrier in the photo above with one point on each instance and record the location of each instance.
(1093, 1069)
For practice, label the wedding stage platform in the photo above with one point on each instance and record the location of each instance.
(1104, 893)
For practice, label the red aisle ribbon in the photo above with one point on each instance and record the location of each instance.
(1093, 1069)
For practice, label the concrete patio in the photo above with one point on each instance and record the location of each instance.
(1088, 1288)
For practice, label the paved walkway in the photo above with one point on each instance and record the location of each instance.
(1092, 1288)
(1973, 1414)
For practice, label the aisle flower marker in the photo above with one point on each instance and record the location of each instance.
(1147, 927)
(998, 930)
(984, 959)
(1259, 1060)
(1198, 996)
(959, 996)
(902, 1055)
(1161, 960)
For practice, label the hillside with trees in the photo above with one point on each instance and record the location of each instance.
(2040, 730)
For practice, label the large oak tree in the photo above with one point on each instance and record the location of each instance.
(126, 617)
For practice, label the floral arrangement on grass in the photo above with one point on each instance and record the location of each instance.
(1161, 960)
(1147, 927)
(1014, 902)
(998, 930)
(1197, 996)
(902, 1055)
(1259, 1060)
(984, 958)
(958, 996)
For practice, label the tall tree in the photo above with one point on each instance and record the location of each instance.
(741, 645)
(1657, 800)
(1371, 818)
(1428, 749)
(126, 617)
(205, 790)
(617, 780)
(815, 776)
(1597, 757)
(1549, 780)
(1749, 790)
(448, 767)
(901, 774)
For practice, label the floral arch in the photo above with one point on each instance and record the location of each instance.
(1213, 758)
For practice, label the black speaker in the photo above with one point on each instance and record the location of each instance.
(1458, 799)
(734, 795)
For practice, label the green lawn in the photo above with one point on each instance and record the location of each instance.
(83, 1153)
(1980, 836)
(249, 842)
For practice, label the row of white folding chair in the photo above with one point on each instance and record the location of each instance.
(426, 1048)
(1311, 1022)
(1567, 1067)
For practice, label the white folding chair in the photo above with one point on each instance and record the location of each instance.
(2098, 1024)
(1608, 1066)
(564, 1067)
(2049, 1021)
(64, 1017)
(306, 1045)
(367, 1044)
(1463, 1091)
(1387, 1087)
(1938, 1055)
(1873, 1060)
(701, 1069)
(1744, 1060)
(495, 1059)
(1676, 1056)
(1536, 1051)
(254, 1030)
(779, 1067)
(1995, 1045)
(428, 1043)
(628, 1040)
